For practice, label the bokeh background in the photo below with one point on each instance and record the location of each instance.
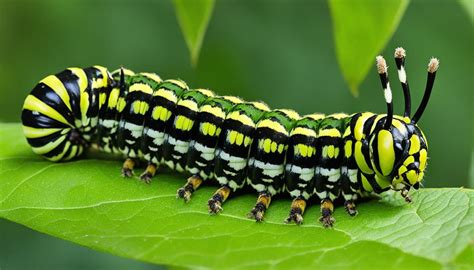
(281, 52)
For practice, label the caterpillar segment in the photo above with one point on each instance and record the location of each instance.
(233, 149)
(163, 122)
(178, 136)
(109, 114)
(159, 119)
(266, 164)
(202, 148)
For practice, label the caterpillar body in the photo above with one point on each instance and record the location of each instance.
(237, 143)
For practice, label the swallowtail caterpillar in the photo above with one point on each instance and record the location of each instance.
(238, 143)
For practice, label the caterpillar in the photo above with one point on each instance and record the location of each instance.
(237, 143)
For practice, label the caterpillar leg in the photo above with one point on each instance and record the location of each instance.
(187, 190)
(327, 208)
(149, 172)
(261, 206)
(350, 207)
(297, 209)
(219, 197)
(127, 167)
(404, 193)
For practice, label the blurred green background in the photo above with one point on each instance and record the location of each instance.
(281, 52)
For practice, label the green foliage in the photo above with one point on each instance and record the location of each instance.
(87, 202)
(361, 31)
(193, 17)
(468, 5)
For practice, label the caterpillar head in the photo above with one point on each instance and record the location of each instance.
(398, 147)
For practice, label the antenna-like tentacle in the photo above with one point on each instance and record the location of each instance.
(400, 55)
(432, 68)
(382, 70)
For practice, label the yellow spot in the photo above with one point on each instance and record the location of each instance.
(205, 128)
(272, 125)
(232, 136)
(218, 132)
(212, 129)
(281, 147)
(121, 104)
(336, 152)
(274, 146)
(325, 151)
(34, 104)
(141, 87)
(102, 98)
(360, 159)
(58, 87)
(113, 97)
(183, 123)
(414, 144)
(136, 106)
(247, 141)
(240, 138)
(267, 144)
(386, 151)
(303, 149)
(423, 159)
(331, 151)
(347, 132)
(331, 132)
(348, 149)
(420, 176)
(402, 170)
(165, 114)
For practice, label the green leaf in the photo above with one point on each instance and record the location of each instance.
(89, 203)
(361, 31)
(193, 17)
(468, 6)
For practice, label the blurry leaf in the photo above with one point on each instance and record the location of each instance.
(89, 203)
(193, 17)
(361, 31)
(468, 5)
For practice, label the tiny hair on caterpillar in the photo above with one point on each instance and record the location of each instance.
(237, 143)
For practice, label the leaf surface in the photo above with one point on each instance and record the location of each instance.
(361, 30)
(193, 17)
(89, 203)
